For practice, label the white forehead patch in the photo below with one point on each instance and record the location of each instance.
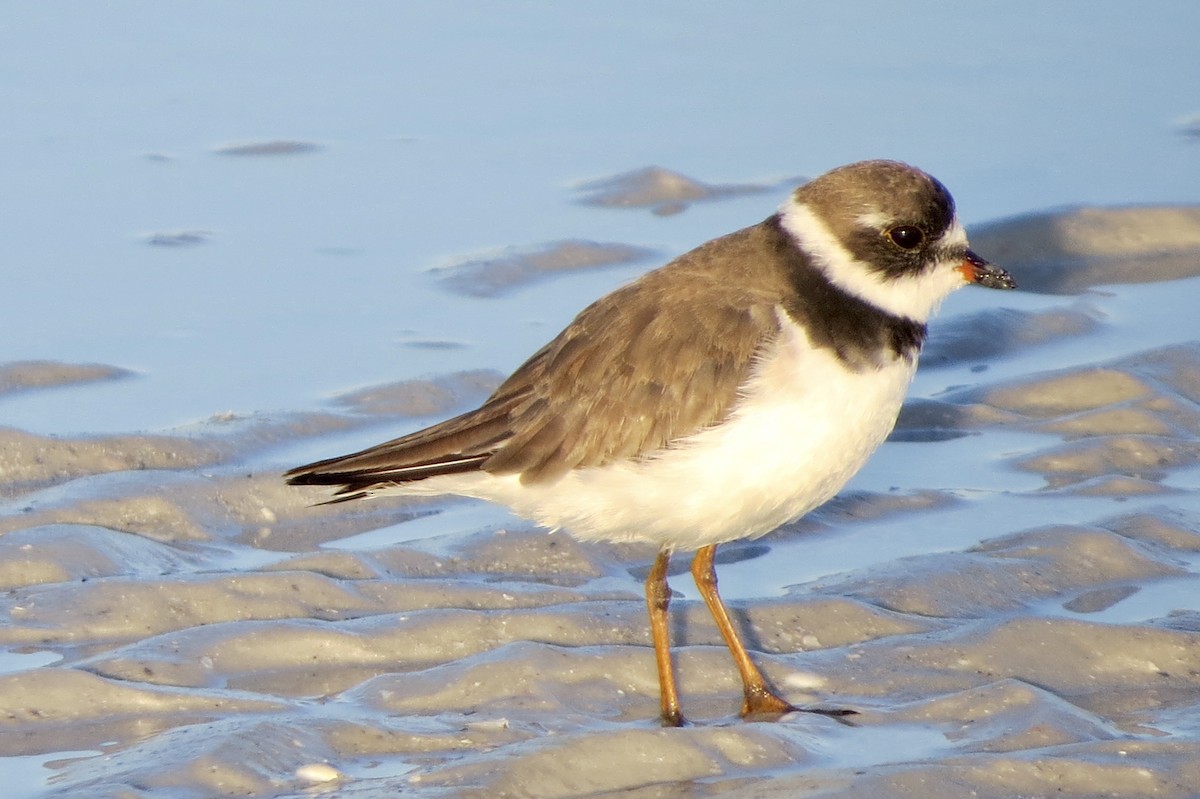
(955, 237)
(913, 297)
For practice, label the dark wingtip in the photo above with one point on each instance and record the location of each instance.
(349, 487)
(347, 494)
(300, 477)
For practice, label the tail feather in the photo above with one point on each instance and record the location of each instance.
(455, 446)
(354, 479)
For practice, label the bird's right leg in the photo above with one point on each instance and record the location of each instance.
(658, 599)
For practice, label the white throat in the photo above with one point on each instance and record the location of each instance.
(914, 297)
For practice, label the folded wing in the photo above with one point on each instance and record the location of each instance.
(641, 368)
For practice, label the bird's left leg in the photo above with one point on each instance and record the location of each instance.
(760, 699)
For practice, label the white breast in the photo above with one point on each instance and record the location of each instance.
(805, 425)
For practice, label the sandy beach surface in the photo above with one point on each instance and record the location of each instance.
(174, 621)
(302, 256)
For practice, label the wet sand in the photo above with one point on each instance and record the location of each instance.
(178, 623)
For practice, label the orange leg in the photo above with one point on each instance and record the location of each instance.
(658, 599)
(760, 699)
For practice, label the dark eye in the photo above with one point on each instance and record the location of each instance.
(906, 237)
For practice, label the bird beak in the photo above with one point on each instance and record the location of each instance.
(976, 270)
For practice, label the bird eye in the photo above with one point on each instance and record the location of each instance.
(906, 237)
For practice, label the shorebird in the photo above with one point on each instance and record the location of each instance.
(716, 398)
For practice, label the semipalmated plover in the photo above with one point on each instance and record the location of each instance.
(716, 398)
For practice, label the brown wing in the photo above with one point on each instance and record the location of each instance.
(644, 366)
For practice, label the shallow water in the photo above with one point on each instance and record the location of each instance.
(244, 236)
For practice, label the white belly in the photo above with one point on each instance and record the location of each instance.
(804, 427)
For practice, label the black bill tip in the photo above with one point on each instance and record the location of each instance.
(976, 270)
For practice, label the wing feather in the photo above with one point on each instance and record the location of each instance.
(645, 366)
